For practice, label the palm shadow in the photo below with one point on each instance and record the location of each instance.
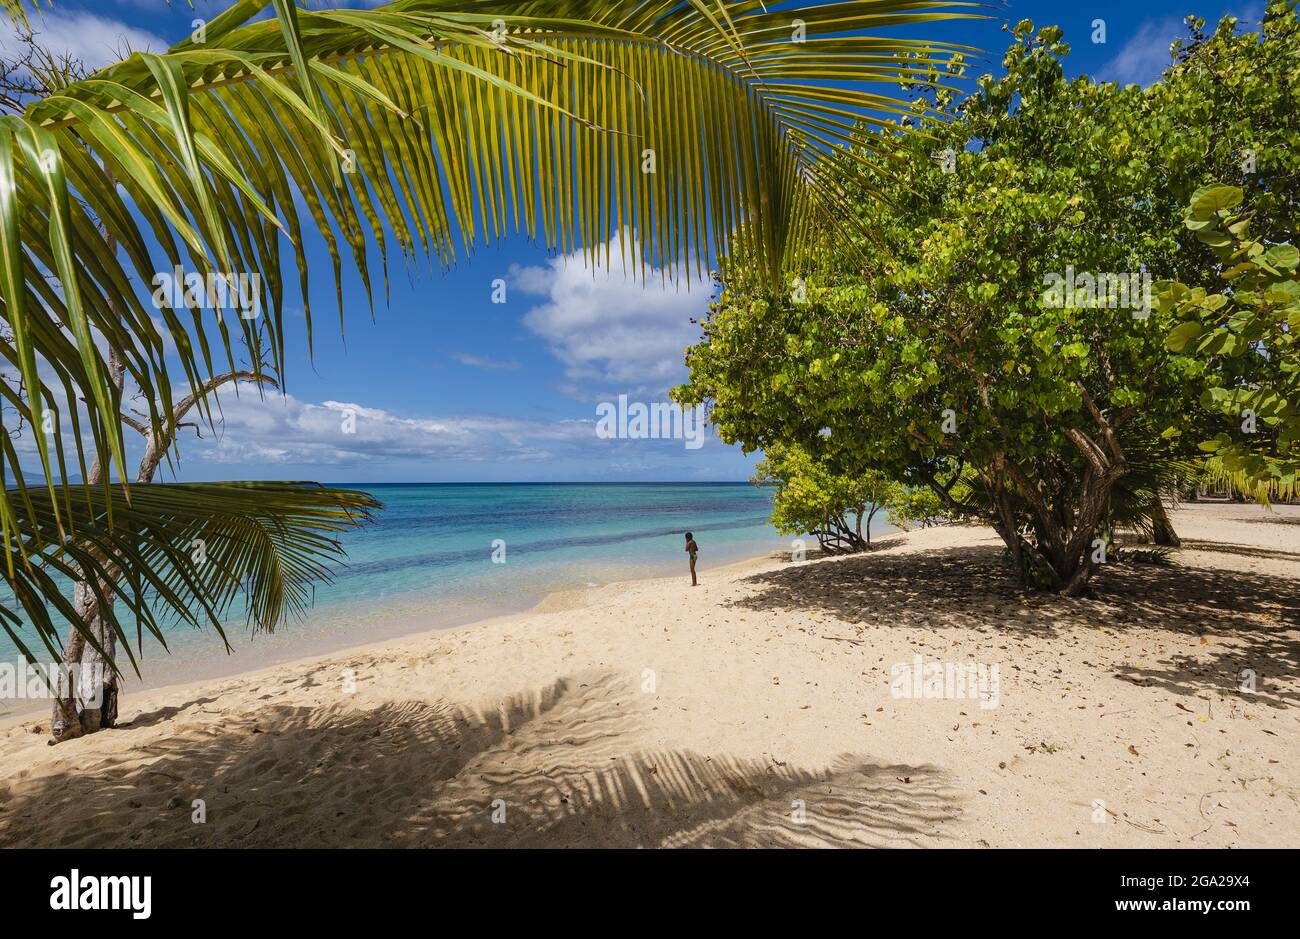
(555, 767)
(971, 587)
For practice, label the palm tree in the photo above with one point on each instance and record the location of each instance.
(436, 125)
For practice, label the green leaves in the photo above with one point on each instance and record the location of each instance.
(1248, 344)
(1282, 258)
(1183, 335)
(1210, 200)
(812, 497)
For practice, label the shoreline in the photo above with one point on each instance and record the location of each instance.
(759, 710)
(562, 600)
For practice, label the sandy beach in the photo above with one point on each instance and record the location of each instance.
(760, 709)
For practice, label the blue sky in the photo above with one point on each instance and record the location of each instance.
(446, 385)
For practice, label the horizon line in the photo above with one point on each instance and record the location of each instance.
(550, 482)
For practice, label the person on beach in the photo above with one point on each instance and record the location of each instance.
(692, 549)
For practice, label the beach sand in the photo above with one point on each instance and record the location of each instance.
(753, 711)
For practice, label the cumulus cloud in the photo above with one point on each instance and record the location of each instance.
(285, 430)
(281, 436)
(614, 332)
(94, 40)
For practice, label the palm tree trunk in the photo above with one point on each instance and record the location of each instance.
(97, 666)
(65, 722)
(1162, 528)
(73, 717)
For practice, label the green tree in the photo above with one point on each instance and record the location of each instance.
(995, 327)
(813, 500)
(1224, 114)
(839, 508)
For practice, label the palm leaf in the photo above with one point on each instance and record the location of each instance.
(1263, 489)
(439, 124)
(188, 552)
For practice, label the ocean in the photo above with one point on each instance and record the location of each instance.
(427, 561)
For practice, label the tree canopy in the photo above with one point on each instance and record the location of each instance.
(999, 322)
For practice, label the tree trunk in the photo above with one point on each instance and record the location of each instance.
(1060, 557)
(73, 717)
(99, 667)
(837, 537)
(870, 515)
(70, 719)
(78, 709)
(65, 722)
(1162, 528)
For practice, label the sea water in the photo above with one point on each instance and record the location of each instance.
(446, 554)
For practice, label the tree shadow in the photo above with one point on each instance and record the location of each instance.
(1273, 520)
(1241, 550)
(554, 767)
(159, 715)
(971, 587)
(939, 585)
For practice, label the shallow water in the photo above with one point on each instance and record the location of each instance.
(427, 561)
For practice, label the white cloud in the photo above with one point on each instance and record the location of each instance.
(1145, 55)
(614, 332)
(285, 430)
(95, 40)
(478, 361)
(283, 437)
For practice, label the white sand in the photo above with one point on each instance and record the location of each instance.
(755, 710)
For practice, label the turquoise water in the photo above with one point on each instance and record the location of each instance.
(427, 561)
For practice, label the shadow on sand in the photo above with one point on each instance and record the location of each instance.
(420, 774)
(970, 586)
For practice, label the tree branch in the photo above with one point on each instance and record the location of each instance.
(158, 446)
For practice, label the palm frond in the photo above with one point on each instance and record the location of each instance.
(1264, 490)
(16, 10)
(1155, 473)
(434, 125)
(188, 552)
